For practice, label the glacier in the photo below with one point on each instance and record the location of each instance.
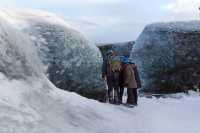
(30, 103)
(168, 56)
(71, 62)
(121, 49)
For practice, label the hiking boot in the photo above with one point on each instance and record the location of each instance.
(120, 102)
(116, 102)
(111, 100)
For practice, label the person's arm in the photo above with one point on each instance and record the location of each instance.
(137, 76)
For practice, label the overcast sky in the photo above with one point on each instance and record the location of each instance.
(113, 20)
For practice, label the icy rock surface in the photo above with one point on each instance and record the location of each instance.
(123, 48)
(70, 61)
(168, 56)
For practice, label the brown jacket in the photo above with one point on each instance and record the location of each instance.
(137, 76)
(128, 76)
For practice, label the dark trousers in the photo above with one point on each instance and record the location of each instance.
(132, 96)
(121, 92)
(110, 86)
(113, 84)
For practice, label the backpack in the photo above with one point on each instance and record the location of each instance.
(115, 63)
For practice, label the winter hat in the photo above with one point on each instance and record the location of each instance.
(124, 59)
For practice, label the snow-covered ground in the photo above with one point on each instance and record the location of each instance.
(167, 115)
(30, 103)
(30, 107)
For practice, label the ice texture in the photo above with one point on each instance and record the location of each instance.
(70, 61)
(168, 56)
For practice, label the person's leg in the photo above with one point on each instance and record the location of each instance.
(116, 93)
(110, 89)
(128, 96)
(135, 96)
(116, 98)
(116, 87)
(121, 92)
(130, 99)
(121, 87)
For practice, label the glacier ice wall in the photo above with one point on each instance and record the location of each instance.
(71, 61)
(168, 56)
(123, 48)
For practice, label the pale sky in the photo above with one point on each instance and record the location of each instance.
(113, 20)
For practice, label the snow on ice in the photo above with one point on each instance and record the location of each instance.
(70, 60)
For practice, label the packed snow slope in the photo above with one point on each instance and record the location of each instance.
(30, 103)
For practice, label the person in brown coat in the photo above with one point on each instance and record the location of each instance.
(129, 81)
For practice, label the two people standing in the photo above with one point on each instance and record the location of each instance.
(120, 72)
